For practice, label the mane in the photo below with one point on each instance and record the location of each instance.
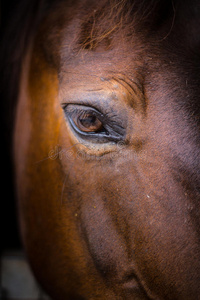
(16, 33)
(110, 17)
(17, 29)
(95, 24)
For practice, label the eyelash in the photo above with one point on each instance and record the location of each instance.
(110, 130)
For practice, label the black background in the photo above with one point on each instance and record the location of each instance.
(10, 238)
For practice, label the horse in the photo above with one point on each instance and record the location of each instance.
(106, 146)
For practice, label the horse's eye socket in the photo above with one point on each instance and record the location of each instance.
(87, 122)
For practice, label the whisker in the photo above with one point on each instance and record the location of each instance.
(173, 22)
(56, 153)
(63, 188)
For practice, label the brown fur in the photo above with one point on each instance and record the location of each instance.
(111, 220)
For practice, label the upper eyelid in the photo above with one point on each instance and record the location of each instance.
(85, 103)
(86, 107)
(98, 99)
(106, 114)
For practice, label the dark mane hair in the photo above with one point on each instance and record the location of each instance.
(16, 33)
(96, 23)
(112, 16)
(18, 24)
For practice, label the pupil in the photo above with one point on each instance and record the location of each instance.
(89, 123)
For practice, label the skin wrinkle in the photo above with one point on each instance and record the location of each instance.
(173, 21)
(128, 84)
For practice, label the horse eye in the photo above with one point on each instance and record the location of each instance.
(91, 124)
(87, 121)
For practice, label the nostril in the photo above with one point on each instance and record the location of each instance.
(129, 277)
(130, 280)
(131, 286)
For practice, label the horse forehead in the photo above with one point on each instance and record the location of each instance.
(123, 57)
